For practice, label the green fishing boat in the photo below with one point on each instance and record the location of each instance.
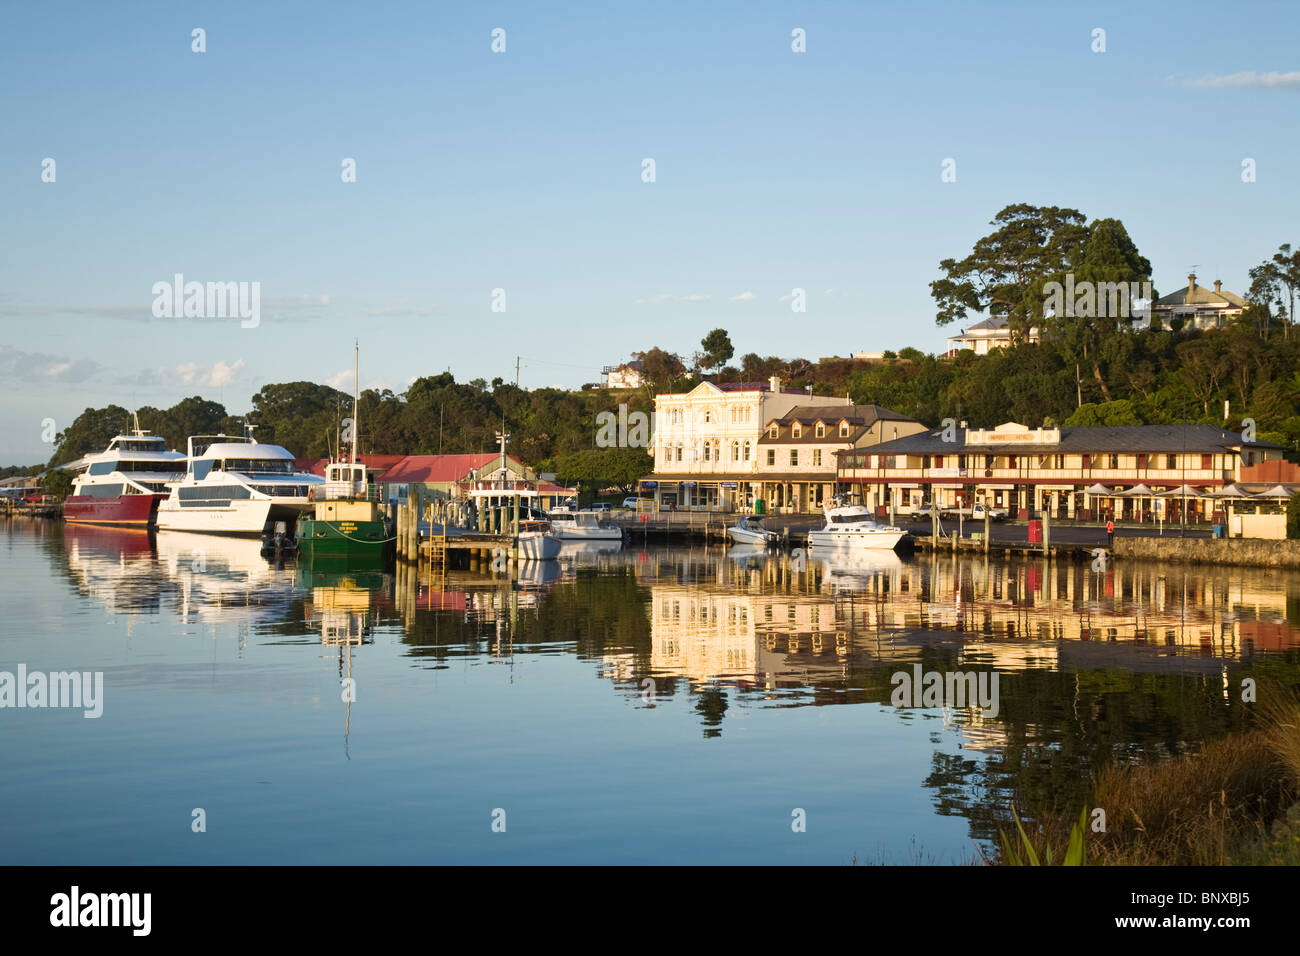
(348, 517)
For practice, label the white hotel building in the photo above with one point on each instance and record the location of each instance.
(705, 444)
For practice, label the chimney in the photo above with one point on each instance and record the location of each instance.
(1217, 283)
(1191, 283)
(774, 383)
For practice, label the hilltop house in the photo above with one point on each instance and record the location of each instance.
(1198, 307)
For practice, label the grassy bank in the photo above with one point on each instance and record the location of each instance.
(1232, 803)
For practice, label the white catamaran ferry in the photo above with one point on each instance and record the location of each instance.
(851, 527)
(236, 486)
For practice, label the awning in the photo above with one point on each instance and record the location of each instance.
(1098, 489)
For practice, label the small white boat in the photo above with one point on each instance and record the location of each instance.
(749, 530)
(535, 542)
(583, 526)
(852, 527)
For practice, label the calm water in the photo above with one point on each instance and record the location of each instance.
(642, 706)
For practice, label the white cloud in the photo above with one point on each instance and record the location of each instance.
(697, 297)
(785, 298)
(218, 375)
(1248, 80)
(745, 296)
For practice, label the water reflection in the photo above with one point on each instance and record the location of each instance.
(1094, 666)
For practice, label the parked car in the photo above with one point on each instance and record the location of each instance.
(631, 501)
(599, 506)
(921, 512)
(995, 514)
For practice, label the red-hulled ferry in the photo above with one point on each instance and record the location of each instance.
(123, 484)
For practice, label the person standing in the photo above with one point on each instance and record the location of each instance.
(1110, 533)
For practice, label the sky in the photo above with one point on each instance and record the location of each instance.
(522, 171)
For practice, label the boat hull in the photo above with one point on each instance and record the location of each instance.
(586, 534)
(855, 540)
(125, 510)
(247, 516)
(745, 536)
(343, 538)
(538, 547)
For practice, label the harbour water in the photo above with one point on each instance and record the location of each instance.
(636, 705)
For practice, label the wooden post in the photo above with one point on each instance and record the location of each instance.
(413, 524)
(1047, 530)
(986, 527)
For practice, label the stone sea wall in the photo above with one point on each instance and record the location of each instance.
(1253, 552)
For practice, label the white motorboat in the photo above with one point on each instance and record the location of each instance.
(535, 542)
(236, 486)
(583, 526)
(851, 527)
(750, 530)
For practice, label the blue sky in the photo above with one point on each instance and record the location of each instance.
(522, 171)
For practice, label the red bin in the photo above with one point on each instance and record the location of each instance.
(1036, 531)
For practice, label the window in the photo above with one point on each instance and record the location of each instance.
(794, 457)
(988, 461)
(708, 416)
(1171, 462)
(938, 461)
(773, 430)
(708, 451)
(1087, 462)
(771, 456)
(1114, 462)
(1142, 462)
(735, 451)
(925, 461)
(746, 451)
(796, 430)
(821, 430)
(679, 451)
(817, 457)
(844, 429)
(1207, 462)
(1059, 462)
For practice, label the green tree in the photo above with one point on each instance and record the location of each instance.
(1006, 270)
(718, 349)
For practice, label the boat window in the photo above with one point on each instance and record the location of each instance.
(101, 468)
(101, 491)
(258, 466)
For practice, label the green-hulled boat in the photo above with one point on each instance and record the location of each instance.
(347, 519)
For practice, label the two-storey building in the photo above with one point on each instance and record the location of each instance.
(797, 461)
(1130, 472)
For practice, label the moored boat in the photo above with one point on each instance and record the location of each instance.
(851, 527)
(347, 518)
(750, 530)
(124, 483)
(583, 526)
(236, 486)
(535, 542)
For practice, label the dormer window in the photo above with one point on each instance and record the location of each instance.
(796, 430)
(773, 430)
(821, 430)
(844, 429)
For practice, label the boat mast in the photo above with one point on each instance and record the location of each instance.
(356, 395)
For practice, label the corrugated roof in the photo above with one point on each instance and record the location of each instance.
(430, 469)
(1102, 438)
